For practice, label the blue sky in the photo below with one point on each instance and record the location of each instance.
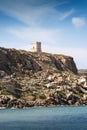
(61, 26)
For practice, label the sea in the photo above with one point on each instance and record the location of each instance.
(44, 118)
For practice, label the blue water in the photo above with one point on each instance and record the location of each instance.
(54, 118)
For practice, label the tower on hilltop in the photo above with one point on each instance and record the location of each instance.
(36, 47)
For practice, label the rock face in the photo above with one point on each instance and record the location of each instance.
(39, 79)
(13, 61)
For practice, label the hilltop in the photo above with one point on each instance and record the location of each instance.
(30, 79)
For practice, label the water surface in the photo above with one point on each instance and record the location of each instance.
(54, 118)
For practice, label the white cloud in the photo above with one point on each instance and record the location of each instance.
(35, 34)
(78, 22)
(35, 15)
(67, 14)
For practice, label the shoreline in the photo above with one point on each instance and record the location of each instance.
(50, 106)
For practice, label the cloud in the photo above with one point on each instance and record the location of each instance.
(35, 13)
(67, 14)
(36, 33)
(78, 22)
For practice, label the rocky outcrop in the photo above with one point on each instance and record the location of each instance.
(23, 62)
(39, 79)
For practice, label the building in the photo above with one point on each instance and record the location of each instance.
(36, 47)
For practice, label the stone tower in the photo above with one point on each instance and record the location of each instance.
(36, 47)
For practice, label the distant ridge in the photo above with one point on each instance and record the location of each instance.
(82, 71)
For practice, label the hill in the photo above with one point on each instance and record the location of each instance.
(30, 79)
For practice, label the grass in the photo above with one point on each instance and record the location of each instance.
(42, 96)
(4, 92)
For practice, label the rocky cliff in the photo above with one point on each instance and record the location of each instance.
(39, 79)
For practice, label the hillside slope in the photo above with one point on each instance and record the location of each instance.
(39, 79)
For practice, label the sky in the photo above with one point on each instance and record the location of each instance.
(60, 25)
